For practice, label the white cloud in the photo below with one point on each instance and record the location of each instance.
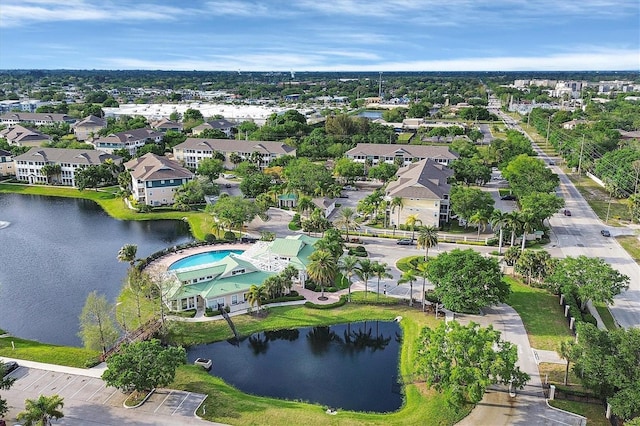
(594, 61)
(15, 14)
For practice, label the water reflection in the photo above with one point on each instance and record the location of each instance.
(58, 250)
(353, 366)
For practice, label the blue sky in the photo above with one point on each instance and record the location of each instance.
(314, 35)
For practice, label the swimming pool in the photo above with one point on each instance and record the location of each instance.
(202, 258)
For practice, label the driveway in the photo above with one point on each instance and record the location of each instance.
(88, 401)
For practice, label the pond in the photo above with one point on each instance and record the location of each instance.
(349, 366)
(55, 251)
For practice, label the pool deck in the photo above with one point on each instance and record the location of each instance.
(161, 265)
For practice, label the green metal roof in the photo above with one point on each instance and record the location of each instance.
(287, 197)
(235, 284)
(286, 247)
(214, 270)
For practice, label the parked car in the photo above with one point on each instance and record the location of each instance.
(605, 233)
(405, 242)
(567, 212)
(343, 196)
(552, 163)
(509, 197)
(350, 188)
(9, 366)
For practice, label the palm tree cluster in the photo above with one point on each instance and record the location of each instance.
(274, 286)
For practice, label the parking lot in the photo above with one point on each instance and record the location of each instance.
(78, 390)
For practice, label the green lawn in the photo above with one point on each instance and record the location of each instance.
(541, 314)
(409, 262)
(606, 316)
(228, 405)
(43, 352)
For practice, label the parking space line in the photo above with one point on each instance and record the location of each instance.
(97, 390)
(109, 397)
(181, 402)
(83, 386)
(71, 381)
(53, 381)
(36, 380)
(163, 401)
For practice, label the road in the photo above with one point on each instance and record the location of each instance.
(579, 234)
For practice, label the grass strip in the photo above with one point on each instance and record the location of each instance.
(541, 314)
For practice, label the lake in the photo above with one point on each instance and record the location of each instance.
(56, 251)
(349, 366)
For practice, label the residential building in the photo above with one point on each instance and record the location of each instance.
(327, 205)
(88, 127)
(28, 165)
(193, 150)
(154, 179)
(571, 124)
(131, 140)
(226, 283)
(21, 136)
(165, 124)
(6, 163)
(400, 154)
(424, 189)
(36, 118)
(223, 125)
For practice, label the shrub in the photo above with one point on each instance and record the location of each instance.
(210, 238)
(185, 314)
(229, 236)
(337, 304)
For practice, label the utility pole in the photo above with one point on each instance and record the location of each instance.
(580, 159)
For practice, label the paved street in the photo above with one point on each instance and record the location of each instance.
(579, 234)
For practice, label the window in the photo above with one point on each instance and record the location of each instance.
(234, 299)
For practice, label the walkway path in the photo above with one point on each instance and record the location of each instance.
(529, 406)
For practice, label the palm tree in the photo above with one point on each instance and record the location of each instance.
(322, 269)
(498, 221)
(348, 266)
(364, 272)
(528, 220)
(423, 273)
(427, 237)
(409, 277)
(40, 411)
(380, 270)
(305, 204)
(399, 203)
(481, 220)
(513, 222)
(347, 220)
(256, 295)
(127, 253)
(412, 220)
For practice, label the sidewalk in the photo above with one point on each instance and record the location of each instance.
(95, 372)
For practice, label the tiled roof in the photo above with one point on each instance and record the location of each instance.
(91, 121)
(425, 179)
(64, 155)
(35, 116)
(389, 150)
(216, 124)
(154, 167)
(231, 145)
(18, 134)
(132, 135)
(323, 202)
